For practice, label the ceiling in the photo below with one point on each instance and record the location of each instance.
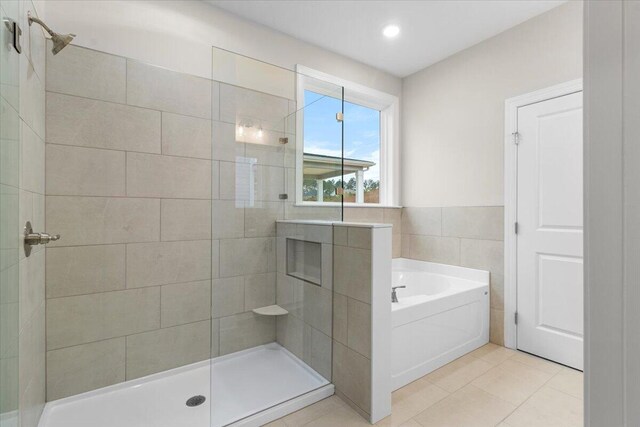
(430, 30)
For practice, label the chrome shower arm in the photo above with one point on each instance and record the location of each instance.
(39, 21)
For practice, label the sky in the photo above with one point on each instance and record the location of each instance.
(322, 133)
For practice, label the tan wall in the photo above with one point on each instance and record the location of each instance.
(453, 111)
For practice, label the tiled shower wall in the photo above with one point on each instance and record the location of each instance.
(465, 236)
(22, 347)
(307, 330)
(129, 188)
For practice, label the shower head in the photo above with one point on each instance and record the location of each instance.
(59, 40)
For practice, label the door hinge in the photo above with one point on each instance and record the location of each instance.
(516, 137)
(515, 318)
(515, 227)
(339, 117)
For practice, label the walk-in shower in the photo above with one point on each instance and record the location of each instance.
(171, 298)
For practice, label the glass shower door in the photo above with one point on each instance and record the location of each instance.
(9, 218)
(272, 332)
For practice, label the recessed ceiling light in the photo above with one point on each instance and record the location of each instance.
(391, 31)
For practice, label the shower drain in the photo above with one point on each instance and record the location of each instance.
(196, 401)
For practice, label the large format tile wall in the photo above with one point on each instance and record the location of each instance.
(22, 321)
(307, 330)
(465, 236)
(253, 167)
(129, 188)
(352, 301)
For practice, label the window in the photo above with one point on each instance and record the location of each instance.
(369, 134)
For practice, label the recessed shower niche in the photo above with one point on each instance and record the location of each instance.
(304, 260)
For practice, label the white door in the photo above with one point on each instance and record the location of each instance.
(549, 238)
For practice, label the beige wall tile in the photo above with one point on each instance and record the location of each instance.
(162, 263)
(246, 330)
(352, 375)
(315, 233)
(359, 327)
(352, 272)
(215, 258)
(225, 147)
(247, 256)
(227, 296)
(483, 254)
(85, 367)
(290, 334)
(359, 237)
(246, 106)
(215, 337)
(33, 161)
(31, 360)
(318, 351)
(78, 171)
(81, 270)
(228, 219)
(318, 307)
(87, 318)
(156, 351)
(250, 183)
(186, 136)
(162, 89)
(393, 217)
(215, 177)
(375, 215)
(497, 291)
(102, 220)
(268, 155)
(445, 250)
(290, 294)
(474, 222)
(185, 303)
(150, 175)
(260, 218)
(32, 98)
(341, 236)
(183, 219)
(89, 123)
(32, 286)
(88, 73)
(259, 290)
(340, 331)
(269, 183)
(32, 381)
(496, 328)
(425, 221)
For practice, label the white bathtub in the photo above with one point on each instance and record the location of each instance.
(441, 315)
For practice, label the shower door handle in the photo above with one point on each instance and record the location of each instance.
(32, 239)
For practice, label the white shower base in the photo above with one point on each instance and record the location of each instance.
(250, 388)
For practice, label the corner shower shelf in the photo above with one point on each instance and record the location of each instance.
(271, 310)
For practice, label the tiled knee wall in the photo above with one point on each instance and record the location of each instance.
(465, 236)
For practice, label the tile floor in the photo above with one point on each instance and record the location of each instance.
(491, 386)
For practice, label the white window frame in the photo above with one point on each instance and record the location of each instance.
(388, 105)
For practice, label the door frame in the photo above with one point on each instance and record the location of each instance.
(511, 106)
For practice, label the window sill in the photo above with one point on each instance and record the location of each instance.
(346, 205)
